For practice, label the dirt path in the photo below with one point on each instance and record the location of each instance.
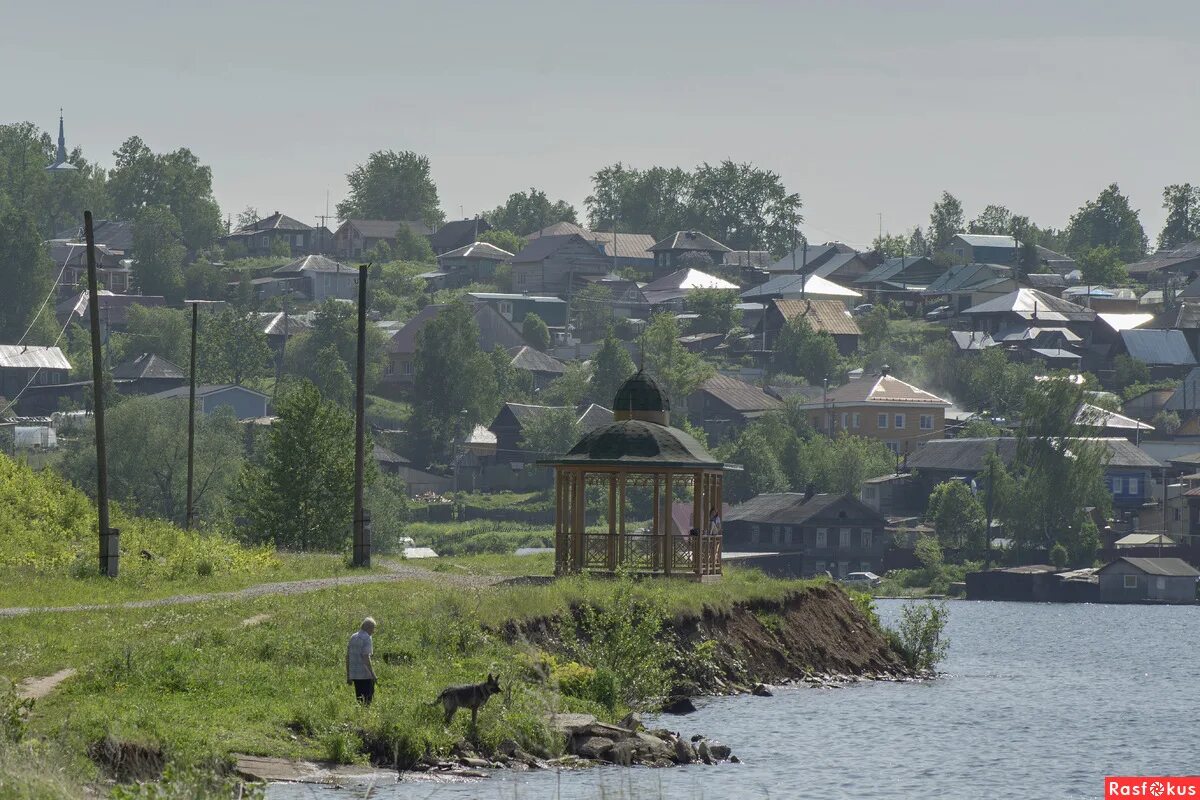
(37, 688)
(395, 572)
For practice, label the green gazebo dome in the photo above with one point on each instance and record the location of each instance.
(641, 398)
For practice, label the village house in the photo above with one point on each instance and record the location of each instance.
(320, 278)
(822, 316)
(628, 301)
(672, 291)
(244, 402)
(1184, 317)
(114, 235)
(986, 248)
(1148, 580)
(884, 408)
(1024, 309)
(723, 405)
(511, 464)
(113, 270)
(457, 233)
(494, 331)
(475, 262)
(354, 238)
(279, 327)
(687, 249)
(147, 374)
(1165, 265)
(835, 261)
(416, 481)
(30, 365)
(966, 285)
(1128, 470)
(262, 237)
(542, 369)
(515, 307)
(817, 533)
(113, 309)
(556, 264)
(789, 286)
(632, 249)
(1166, 353)
(899, 279)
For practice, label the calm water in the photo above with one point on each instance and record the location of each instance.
(1038, 701)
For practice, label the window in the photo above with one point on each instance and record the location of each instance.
(843, 568)
(845, 420)
(844, 538)
(894, 447)
(1177, 515)
(927, 422)
(822, 538)
(1131, 581)
(753, 534)
(865, 535)
(856, 419)
(408, 368)
(520, 279)
(1160, 584)
(1132, 483)
(882, 422)
(899, 421)
(298, 240)
(868, 493)
(390, 369)
(787, 534)
(775, 534)
(865, 566)
(506, 310)
(820, 566)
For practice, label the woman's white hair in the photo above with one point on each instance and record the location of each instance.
(369, 622)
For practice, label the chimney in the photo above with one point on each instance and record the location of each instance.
(809, 491)
(884, 371)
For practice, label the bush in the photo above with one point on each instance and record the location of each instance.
(920, 637)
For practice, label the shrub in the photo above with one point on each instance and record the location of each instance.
(920, 637)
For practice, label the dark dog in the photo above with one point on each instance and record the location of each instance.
(472, 696)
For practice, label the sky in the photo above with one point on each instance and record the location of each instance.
(864, 108)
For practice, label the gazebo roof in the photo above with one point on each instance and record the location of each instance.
(635, 442)
(640, 393)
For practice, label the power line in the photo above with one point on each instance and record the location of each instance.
(36, 372)
(53, 289)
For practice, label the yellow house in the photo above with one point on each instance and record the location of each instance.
(881, 407)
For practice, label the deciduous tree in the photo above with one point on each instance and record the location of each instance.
(676, 368)
(535, 331)
(551, 432)
(176, 181)
(26, 272)
(1182, 202)
(611, 367)
(525, 212)
(232, 348)
(392, 185)
(157, 240)
(1107, 221)
(945, 221)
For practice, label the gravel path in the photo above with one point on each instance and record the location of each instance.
(37, 688)
(395, 572)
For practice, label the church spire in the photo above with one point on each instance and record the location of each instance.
(60, 158)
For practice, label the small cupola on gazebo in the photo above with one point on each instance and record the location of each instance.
(639, 462)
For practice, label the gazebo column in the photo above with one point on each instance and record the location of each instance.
(621, 519)
(612, 521)
(697, 541)
(562, 547)
(579, 518)
(665, 541)
(655, 550)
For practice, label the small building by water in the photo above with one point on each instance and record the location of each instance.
(1148, 580)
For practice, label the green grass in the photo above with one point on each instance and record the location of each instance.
(476, 537)
(23, 588)
(388, 413)
(196, 682)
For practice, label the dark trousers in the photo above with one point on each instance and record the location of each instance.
(364, 690)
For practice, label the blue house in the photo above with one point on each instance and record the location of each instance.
(245, 403)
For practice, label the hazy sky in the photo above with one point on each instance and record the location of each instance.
(862, 107)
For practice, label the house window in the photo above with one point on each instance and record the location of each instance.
(390, 369)
(865, 535)
(894, 447)
(506, 310)
(520, 279)
(820, 567)
(822, 538)
(753, 534)
(868, 493)
(775, 534)
(865, 566)
(298, 240)
(787, 534)
(899, 421)
(1132, 484)
(882, 421)
(927, 422)
(1131, 581)
(843, 568)
(1160, 584)
(408, 368)
(959, 252)
(845, 420)
(844, 538)
(856, 420)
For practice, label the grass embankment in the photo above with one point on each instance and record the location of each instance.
(195, 683)
(49, 551)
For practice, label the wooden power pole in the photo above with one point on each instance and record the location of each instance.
(362, 530)
(191, 453)
(110, 551)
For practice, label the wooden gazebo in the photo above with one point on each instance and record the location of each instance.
(639, 452)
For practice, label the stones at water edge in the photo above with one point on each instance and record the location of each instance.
(614, 744)
(761, 690)
(593, 747)
(679, 705)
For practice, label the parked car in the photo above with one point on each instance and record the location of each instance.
(941, 312)
(864, 579)
(863, 308)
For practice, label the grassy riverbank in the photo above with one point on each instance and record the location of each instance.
(191, 684)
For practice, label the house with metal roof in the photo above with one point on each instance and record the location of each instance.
(822, 316)
(673, 290)
(972, 341)
(968, 248)
(355, 237)
(457, 233)
(260, 238)
(320, 278)
(801, 286)
(557, 264)
(817, 533)
(967, 285)
(30, 365)
(1166, 352)
(147, 373)
(1025, 308)
(244, 402)
(1148, 580)
(542, 369)
(1161, 266)
(902, 416)
(494, 331)
(902, 278)
(834, 260)
(515, 307)
(467, 264)
(1183, 317)
(687, 248)
(723, 405)
(113, 308)
(1128, 469)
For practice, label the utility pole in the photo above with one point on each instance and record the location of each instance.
(191, 455)
(987, 533)
(362, 531)
(110, 551)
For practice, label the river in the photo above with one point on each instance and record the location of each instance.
(1038, 701)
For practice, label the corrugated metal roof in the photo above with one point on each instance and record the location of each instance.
(531, 360)
(792, 508)
(792, 285)
(1166, 567)
(147, 366)
(884, 390)
(967, 455)
(738, 395)
(1034, 305)
(1154, 347)
(690, 240)
(1124, 322)
(482, 250)
(16, 356)
(314, 264)
(385, 228)
(987, 240)
(829, 316)
(543, 247)
(964, 277)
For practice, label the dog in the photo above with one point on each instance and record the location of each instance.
(473, 696)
